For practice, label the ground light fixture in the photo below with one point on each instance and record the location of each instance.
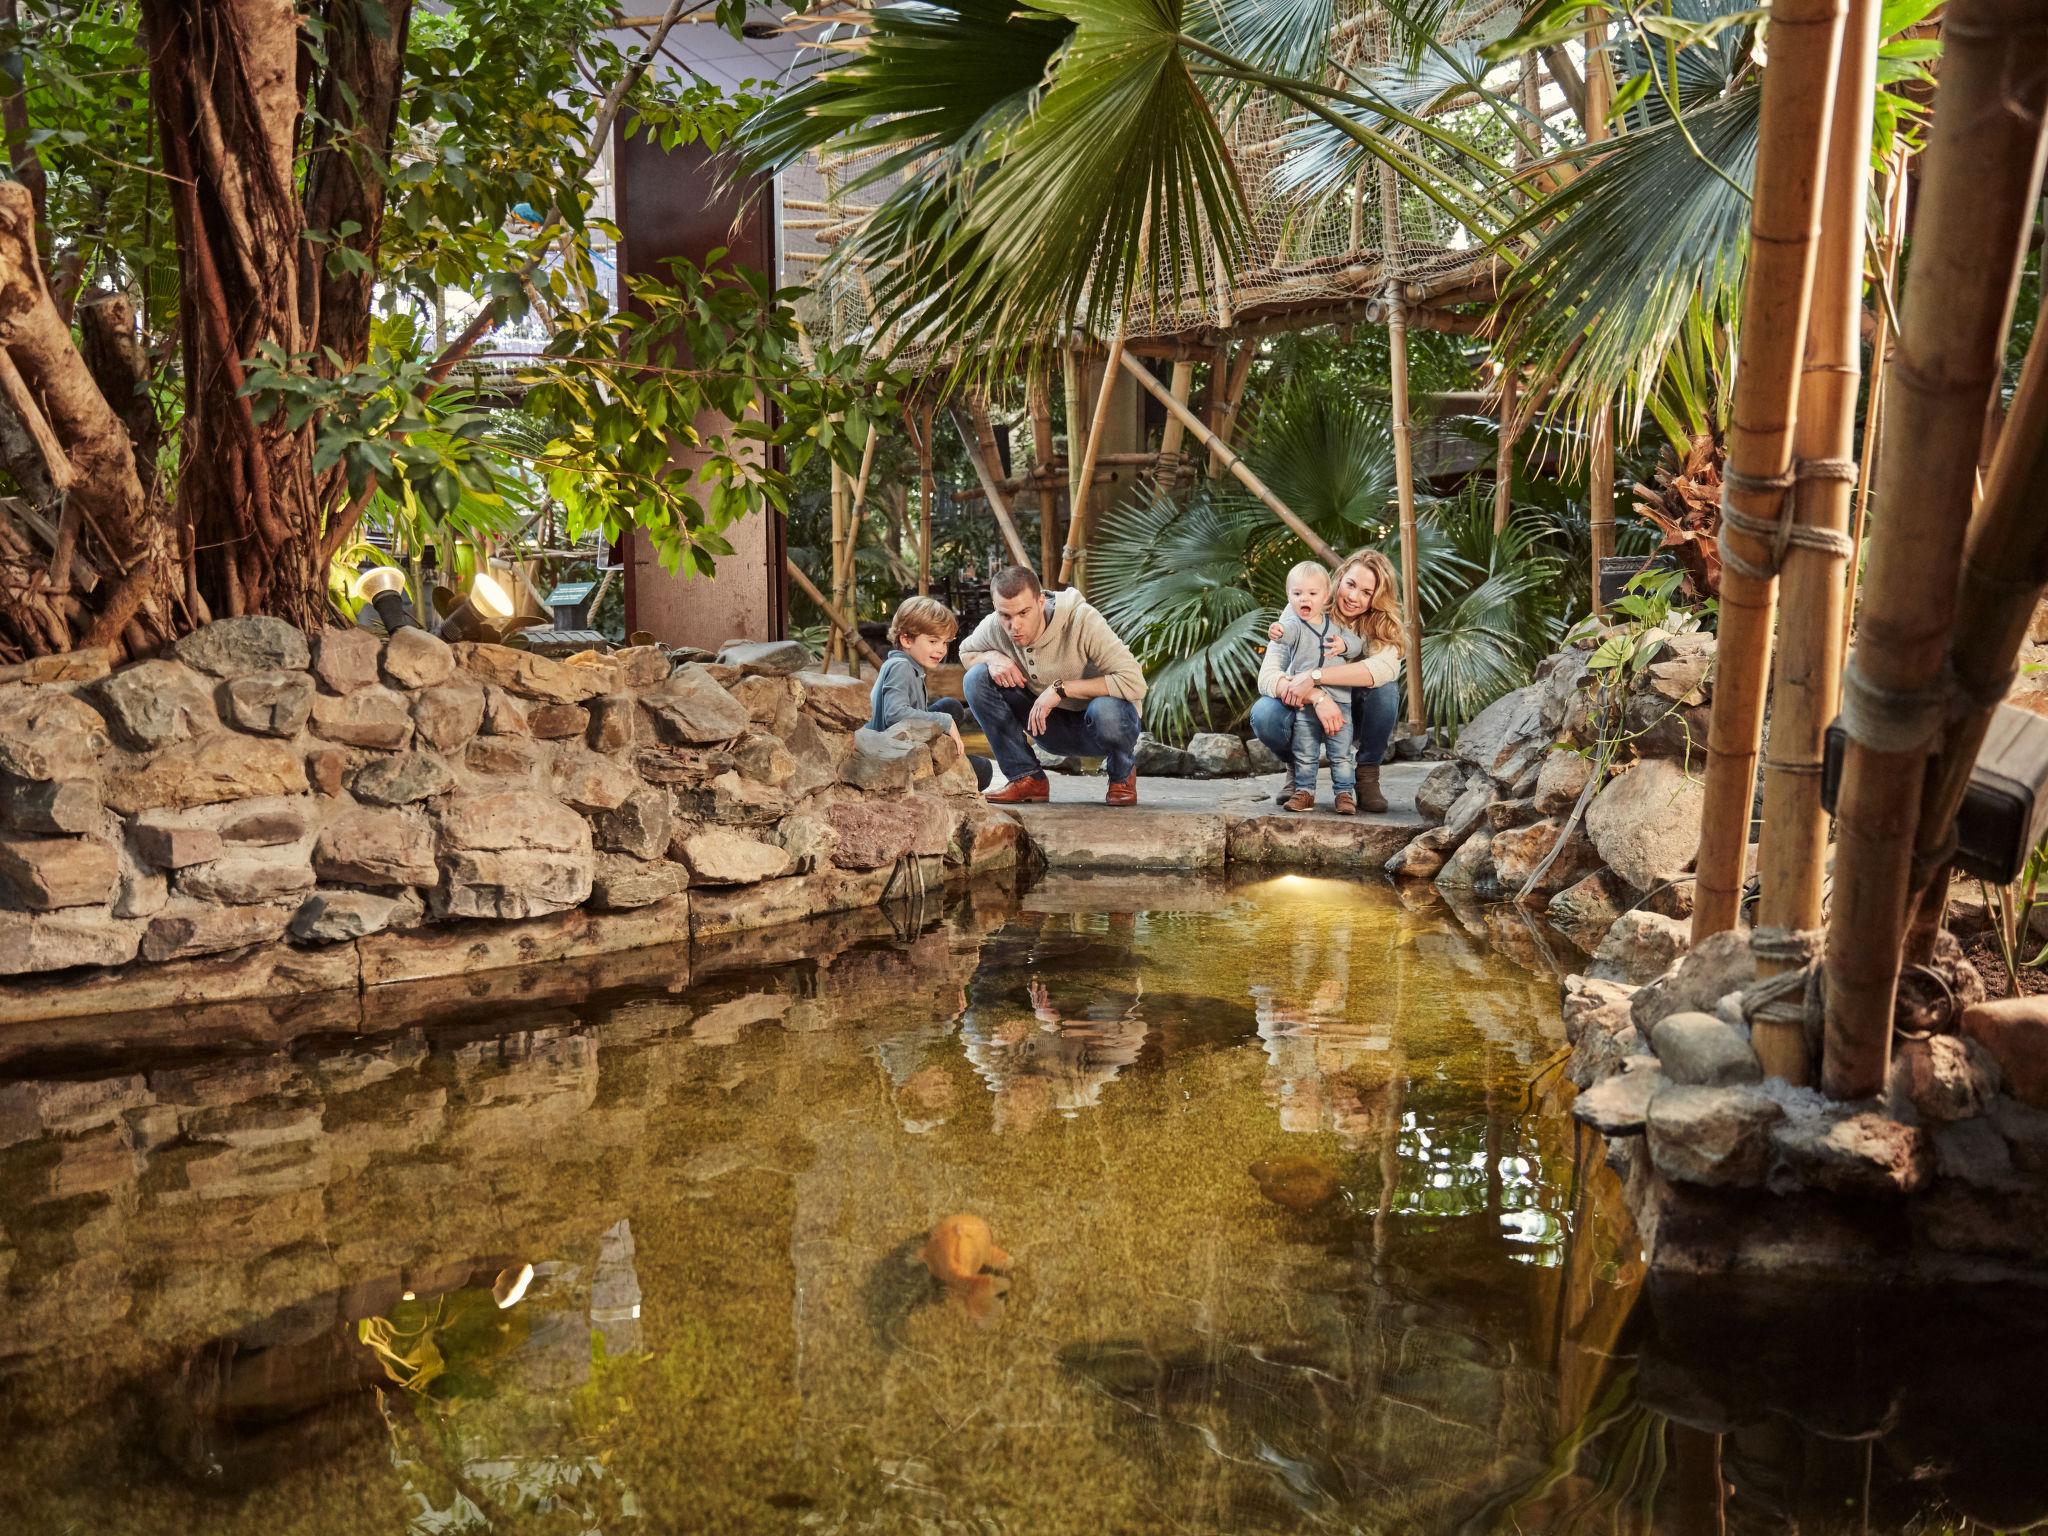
(383, 588)
(483, 614)
(510, 1286)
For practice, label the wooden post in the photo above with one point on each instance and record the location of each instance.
(991, 487)
(1889, 239)
(834, 648)
(1404, 448)
(920, 431)
(1806, 675)
(1979, 177)
(1042, 477)
(1231, 461)
(1233, 397)
(1798, 94)
(841, 625)
(1077, 519)
(849, 599)
(1180, 384)
(1504, 461)
(1600, 494)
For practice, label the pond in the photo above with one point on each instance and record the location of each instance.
(1299, 1237)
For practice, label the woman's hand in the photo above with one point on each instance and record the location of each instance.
(1328, 715)
(1295, 689)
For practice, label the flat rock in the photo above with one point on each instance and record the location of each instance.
(172, 840)
(1700, 1049)
(527, 675)
(513, 882)
(590, 781)
(1858, 1154)
(56, 941)
(45, 873)
(237, 647)
(246, 875)
(870, 836)
(449, 715)
(335, 917)
(2014, 1031)
(1086, 837)
(716, 856)
(839, 703)
(364, 845)
(1422, 857)
(404, 778)
(510, 757)
(264, 823)
(87, 664)
(1718, 1137)
(1639, 947)
(622, 882)
(511, 820)
(157, 702)
(1339, 844)
(415, 659)
(270, 703)
(690, 710)
(368, 717)
(198, 928)
(885, 762)
(772, 658)
(1646, 822)
(1619, 1104)
(64, 807)
(46, 735)
(346, 659)
(1440, 789)
(558, 722)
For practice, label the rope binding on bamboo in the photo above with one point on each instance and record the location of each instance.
(1795, 995)
(1782, 532)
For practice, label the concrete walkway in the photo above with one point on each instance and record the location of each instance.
(1211, 824)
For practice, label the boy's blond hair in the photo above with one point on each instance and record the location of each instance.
(1309, 567)
(922, 616)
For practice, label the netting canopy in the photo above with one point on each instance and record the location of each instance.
(1311, 251)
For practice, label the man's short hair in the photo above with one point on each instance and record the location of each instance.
(1015, 581)
(922, 616)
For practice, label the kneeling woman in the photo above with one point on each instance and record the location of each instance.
(1362, 600)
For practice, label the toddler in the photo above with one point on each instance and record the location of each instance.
(1300, 643)
(919, 634)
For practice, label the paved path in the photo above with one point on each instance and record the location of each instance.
(1209, 824)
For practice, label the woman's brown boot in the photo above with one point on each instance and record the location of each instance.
(1369, 796)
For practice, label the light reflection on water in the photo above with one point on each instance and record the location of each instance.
(1302, 1240)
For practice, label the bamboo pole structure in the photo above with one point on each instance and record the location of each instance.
(1889, 239)
(1182, 382)
(919, 428)
(992, 489)
(1233, 397)
(1798, 95)
(841, 625)
(1251, 482)
(1504, 456)
(1600, 495)
(1077, 517)
(1077, 433)
(1404, 449)
(1042, 478)
(1979, 176)
(834, 647)
(1807, 669)
(849, 584)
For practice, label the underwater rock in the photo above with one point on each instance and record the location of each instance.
(1298, 1183)
(959, 1247)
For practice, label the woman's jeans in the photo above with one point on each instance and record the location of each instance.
(1373, 714)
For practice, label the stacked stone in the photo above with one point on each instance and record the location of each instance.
(255, 785)
(1510, 797)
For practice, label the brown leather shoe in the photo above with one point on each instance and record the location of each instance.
(1300, 800)
(1031, 791)
(1123, 791)
(1347, 803)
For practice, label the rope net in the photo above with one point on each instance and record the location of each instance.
(1307, 248)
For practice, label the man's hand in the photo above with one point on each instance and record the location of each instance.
(1041, 711)
(1005, 673)
(1328, 715)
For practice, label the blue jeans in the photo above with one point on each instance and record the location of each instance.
(1107, 728)
(1374, 712)
(1309, 741)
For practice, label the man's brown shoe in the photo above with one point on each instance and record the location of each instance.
(1347, 803)
(1031, 791)
(1300, 800)
(1123, 791)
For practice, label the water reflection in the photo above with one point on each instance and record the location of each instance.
(1296, 1246)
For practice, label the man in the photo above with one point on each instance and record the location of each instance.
(1049, 669)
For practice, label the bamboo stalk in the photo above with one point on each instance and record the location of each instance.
(1504, 457)
(834, 650)
(1042, 458)
(1233, 397)
(1404, 449)
(841, 625)
(850, 579)
(1888, 243)
(1077, 432)
(1798, 95)
(1806, 675)
(919, 429)
(1600, 495)
(1182, 382)
(1231, 461)
(992, 489)
(1077, 519)
(1979, 176)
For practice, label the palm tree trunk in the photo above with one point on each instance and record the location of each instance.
(1806, 677)
(1798, 93)
(1981, 173)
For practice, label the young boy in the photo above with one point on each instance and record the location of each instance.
(1301, 643)
(920, 632)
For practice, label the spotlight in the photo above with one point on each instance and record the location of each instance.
(481, 615)
(383, 587)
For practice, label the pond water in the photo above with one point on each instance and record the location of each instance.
(1299, 1238)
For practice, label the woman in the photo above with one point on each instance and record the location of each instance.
(1362, 599)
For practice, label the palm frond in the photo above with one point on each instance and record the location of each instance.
(1331, 459)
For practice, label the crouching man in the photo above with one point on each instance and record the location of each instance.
(1049, 669)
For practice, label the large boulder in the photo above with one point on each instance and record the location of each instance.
(691, 710)
(415, 659)
(187, 928)
(1559, 782)
(237, 647)
(1700, 1049)
(32, 942)
(1469, 809)
(767, 658)
(639, 825)
(1508, 736)
(1646, 822)
(511, 854)
(1218, 755)
(1851, 1154)
(866, 835)
(335, 917)
(1439, 791)
(246, 874)
(590, 781)
(1720, 964)
(367, 846)
(155, 703)
(372, 716)
(346, 659)
(64, 806)
(527, 675)
(49, 736)
(44, 873)
(838, 703)
(1942, 1078)
(889, 762)
(1639, 947)
(1423, 856)
(2014, 1032)
(1519, 852)
(1719, 1137)
(622, 882)
(716, 856)
(1471, 868)
(448, 715)
(1156, 760)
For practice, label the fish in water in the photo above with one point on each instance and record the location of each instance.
(1299, 1183)
(961, 1253)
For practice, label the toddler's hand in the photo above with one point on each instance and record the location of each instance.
(1275, 630)
(1333, 645)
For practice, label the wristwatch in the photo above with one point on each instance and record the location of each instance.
(1060, 689)
(1316, 675)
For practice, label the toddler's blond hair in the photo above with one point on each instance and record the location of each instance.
(1309, 567)
(922, 616)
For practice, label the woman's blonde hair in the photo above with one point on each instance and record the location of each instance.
(1381, 621)
(922, 616)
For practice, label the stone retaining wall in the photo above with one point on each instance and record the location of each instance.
(263, 812)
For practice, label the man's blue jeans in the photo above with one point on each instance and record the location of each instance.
(1373, 714)
(1107, 728)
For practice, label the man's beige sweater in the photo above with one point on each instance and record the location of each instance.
(1077, 642)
